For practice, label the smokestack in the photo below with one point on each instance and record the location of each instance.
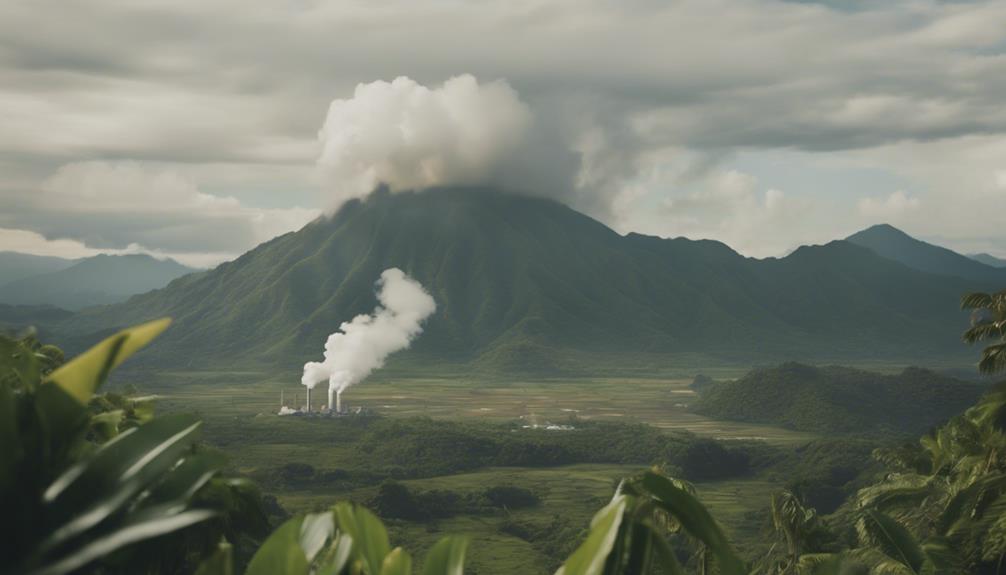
(308, 400)
(282, 403)
(338, 401)
(331, 392)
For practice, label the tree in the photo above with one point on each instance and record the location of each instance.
(988, 323)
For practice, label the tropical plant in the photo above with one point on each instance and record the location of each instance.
(988, 323)
(82, 477)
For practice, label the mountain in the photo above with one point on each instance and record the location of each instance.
(839, 399)
(529, 285)
(16, 266)
(895, 244)
(988, 260)
(98, 280)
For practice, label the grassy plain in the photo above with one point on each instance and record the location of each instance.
(569, 494)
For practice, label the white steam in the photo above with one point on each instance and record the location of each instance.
(361, 345)
(408, 136)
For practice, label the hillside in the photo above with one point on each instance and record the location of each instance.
(989, 260)
(526, 284)
(98, 280)
(895, 244)
(839, 399)
(15, 266)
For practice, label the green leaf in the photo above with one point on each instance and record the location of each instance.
(590, 557)
(281, 554)
(446, 557)
(664, 556)
(91, 491)
(696, 520)
(894, 540)
(315, 531)
(370, 539)
(398, 562)
(86, 372)
(336, 556)
(220, 562)
(140, 528)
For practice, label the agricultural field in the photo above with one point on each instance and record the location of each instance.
(310, 463)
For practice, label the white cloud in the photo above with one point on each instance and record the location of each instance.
(409, 137)
(128, 206)
(892, 207)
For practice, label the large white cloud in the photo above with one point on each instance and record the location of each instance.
(410, 137)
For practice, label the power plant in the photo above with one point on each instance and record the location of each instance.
(332, 408)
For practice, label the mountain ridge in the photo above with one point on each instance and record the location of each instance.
(528, 284)
(98, 280)
(892, 243)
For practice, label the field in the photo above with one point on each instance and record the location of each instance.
(239, 410)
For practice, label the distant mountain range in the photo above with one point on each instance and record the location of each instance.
(839, 399)
(529, 285)
(989, 260)
(76, 284)
(895, 244)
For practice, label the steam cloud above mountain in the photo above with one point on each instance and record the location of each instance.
(408, 136)
(362, 345)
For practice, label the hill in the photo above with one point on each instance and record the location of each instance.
(527, 284)
(988, 260)
(98, 280)
(895, 244)
(839, 399)
(15, 266)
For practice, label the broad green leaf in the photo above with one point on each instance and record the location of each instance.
(446, 557)
(696, 520)
(370, 539)
(336, 556)
(85, 373)
(220, 562)
(663, 555)
(315, 531)
(590, 556)
(91, 491)
(281, 554)
(894, 540)
(398, 562)
(139, 529)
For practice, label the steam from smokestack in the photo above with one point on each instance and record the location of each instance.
(362, 345)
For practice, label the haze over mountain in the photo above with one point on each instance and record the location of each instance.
(15, 265)
(989, 260)
(97, 280)
(527, 284)
(895, 244)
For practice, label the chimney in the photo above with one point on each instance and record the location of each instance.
(308, 400)
(331, 392)
(338, 401)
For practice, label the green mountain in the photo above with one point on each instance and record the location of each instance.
(989, 260)
(527, 284)
(15, 266)
(895, 244)
(839, 399)
(98, 280)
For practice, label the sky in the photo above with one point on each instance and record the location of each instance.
(196, 130)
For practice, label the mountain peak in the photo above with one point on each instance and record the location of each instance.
(894, 244)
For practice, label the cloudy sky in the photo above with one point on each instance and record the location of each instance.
(198, 129)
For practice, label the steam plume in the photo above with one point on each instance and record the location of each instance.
(361, 345)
